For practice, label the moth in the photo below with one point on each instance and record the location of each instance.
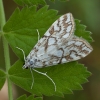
(58, 45)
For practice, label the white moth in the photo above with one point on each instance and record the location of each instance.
(58, 45)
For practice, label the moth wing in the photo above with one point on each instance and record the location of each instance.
(72, 50)
(61, 29)
(75, 49)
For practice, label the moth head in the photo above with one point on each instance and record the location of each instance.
(29, 63)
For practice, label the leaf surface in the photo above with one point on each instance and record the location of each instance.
(67, 77)
(20, 31)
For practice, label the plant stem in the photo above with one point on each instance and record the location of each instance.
(6, 50)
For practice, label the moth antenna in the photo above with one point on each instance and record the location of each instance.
(38, 34)
(46, 76)
(32, 78)
(22, 52)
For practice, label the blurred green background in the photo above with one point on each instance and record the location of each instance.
(88, 11)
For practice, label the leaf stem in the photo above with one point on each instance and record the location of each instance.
(6, 49)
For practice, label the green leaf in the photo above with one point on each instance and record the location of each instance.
(21, 28)
(30, 2)
(31, 97)
(23, 97)
(67, 77)
(2, 78)
(20, 31)
(81, 32)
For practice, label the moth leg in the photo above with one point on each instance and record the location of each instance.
(45, 74)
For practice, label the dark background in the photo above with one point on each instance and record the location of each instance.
(88, 11)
